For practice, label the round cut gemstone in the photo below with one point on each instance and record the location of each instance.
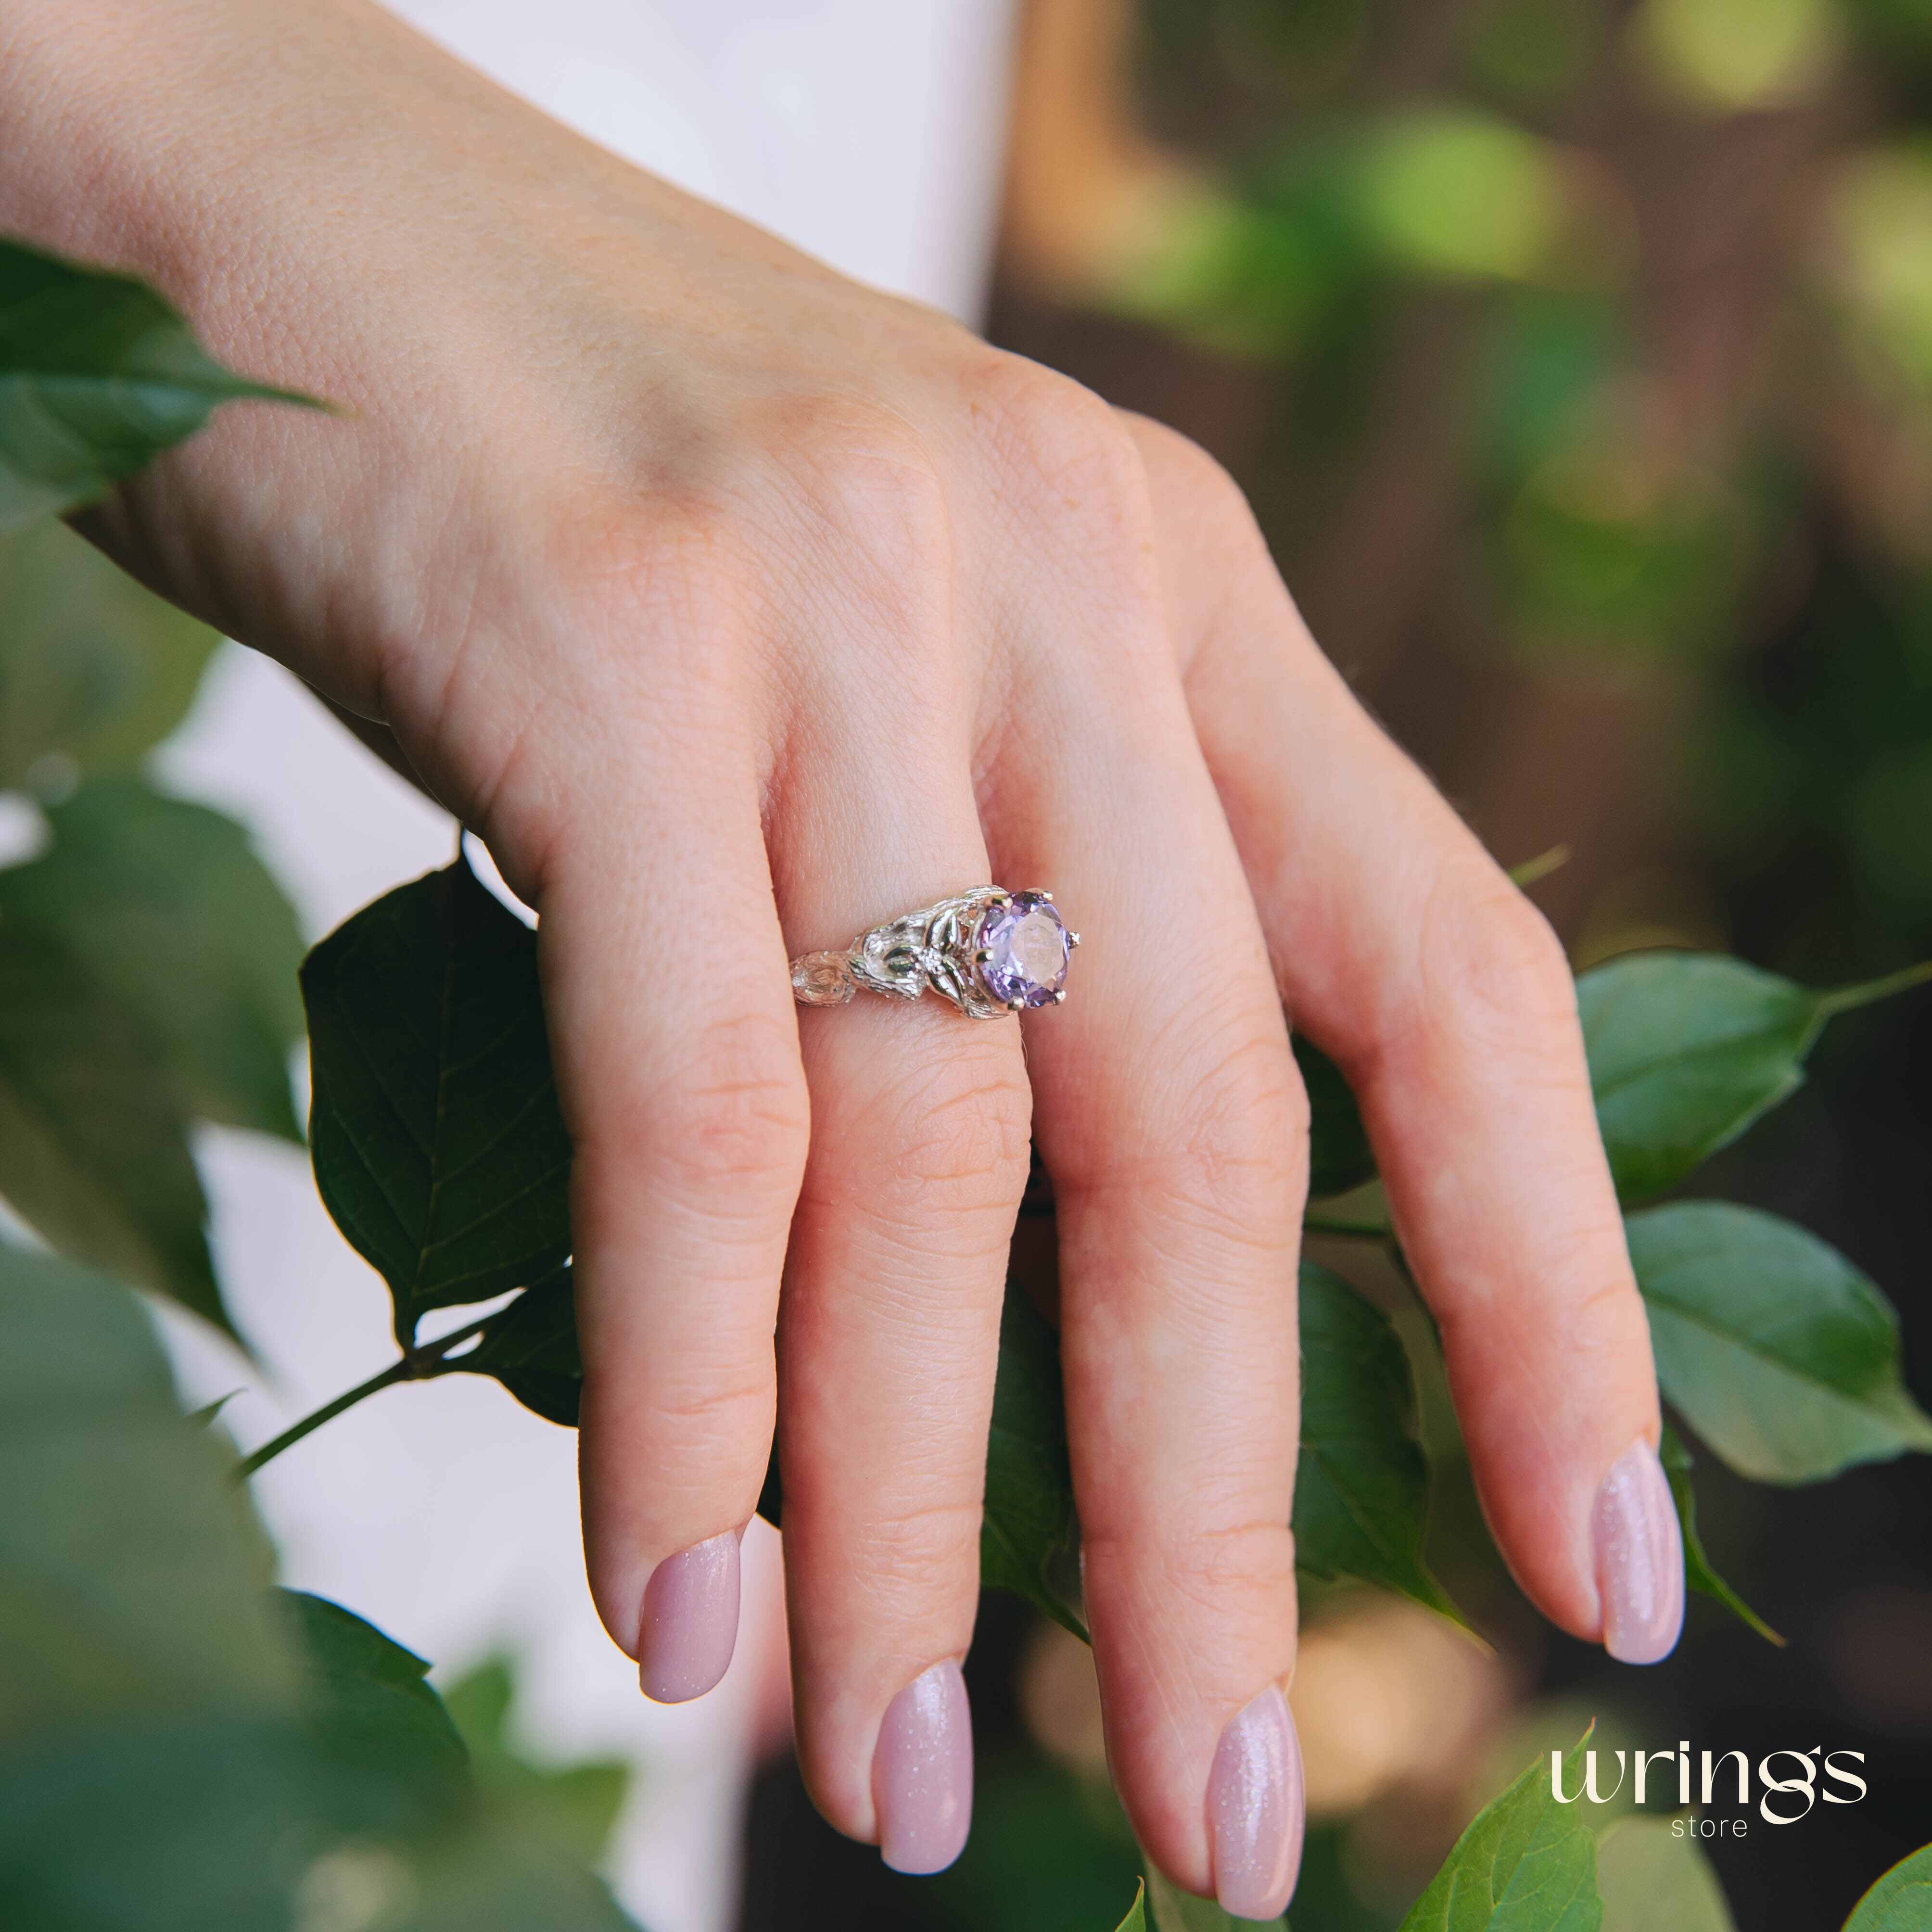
(1026, 948)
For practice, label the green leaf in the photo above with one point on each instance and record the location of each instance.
(235, 1824)
(1339, 1157)
(1656, 1879)
(94, 1149)
(1777, 1350)
(1171, 1909)
(1687, 1049)
(1901, 1901)
(1526, 1864)
(95, 670)
(1677, 1462)
(577, 1804)
(367, 1707)
(97, 375)
(1361, 1488)
(1028, 1527)
(132, 1578)
(1136, 1920)
(166, 1763)
(435, 1133)
(209, 1820)
(165, 906)
(530, 1347)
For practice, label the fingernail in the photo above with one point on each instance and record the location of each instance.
(1639, 1558)
(689, 1627)
(923, 1772)
(1256, 1810)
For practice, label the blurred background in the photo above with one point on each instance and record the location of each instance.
(1576, 355)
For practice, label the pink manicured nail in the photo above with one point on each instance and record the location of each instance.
(1639, 1558)
(1256, 1810)
(689, 1627)
(923, 1772)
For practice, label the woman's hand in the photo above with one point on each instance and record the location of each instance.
(739, 608)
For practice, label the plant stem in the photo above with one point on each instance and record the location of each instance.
(1847, 998)
(1346, 1231)
(418, 1364)
(1526, 875)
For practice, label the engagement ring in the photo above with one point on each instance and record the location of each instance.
(989, 952)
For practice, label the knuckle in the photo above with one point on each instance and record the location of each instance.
(903, 1554)
(943, 1142)
(1210, 1566)
(863, 470)
(676, 566)
(713, 1424)
(650, 642)
(1236, 1145)
(1185, 476)
(734, 1114)
(1059, 446)
(1493, 963)
(964, 1141)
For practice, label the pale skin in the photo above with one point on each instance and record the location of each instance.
(738, 608)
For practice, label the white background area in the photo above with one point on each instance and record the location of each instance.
(868, 132)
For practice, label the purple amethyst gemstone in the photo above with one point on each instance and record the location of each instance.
(1025, 942)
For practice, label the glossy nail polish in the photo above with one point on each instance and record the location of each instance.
(689, 1627)
(1639, 1555)
(923, 1772)
(1256, 1809)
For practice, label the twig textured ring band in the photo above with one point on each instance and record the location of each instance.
(989, 951)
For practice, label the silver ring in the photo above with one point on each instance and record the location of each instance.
(989, 951)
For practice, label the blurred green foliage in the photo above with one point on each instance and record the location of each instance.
(1674, 260)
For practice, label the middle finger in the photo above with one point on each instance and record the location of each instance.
(1173, 1124)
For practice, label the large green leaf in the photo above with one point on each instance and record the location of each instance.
(95, 670)
(367, 1703)
(179, 1748)
(97, 376)
(1028, 1529)
(204, 1821)
(1678, 1462)
(1901, 1901)
(1526, 1864)
(1777, 1350)
(94, 1149)
(165, 907)
(435, 1133)
(578, 1804)
(1361, 1487)
(1654, 1877)
(1687, 1049)
(131, 1578)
